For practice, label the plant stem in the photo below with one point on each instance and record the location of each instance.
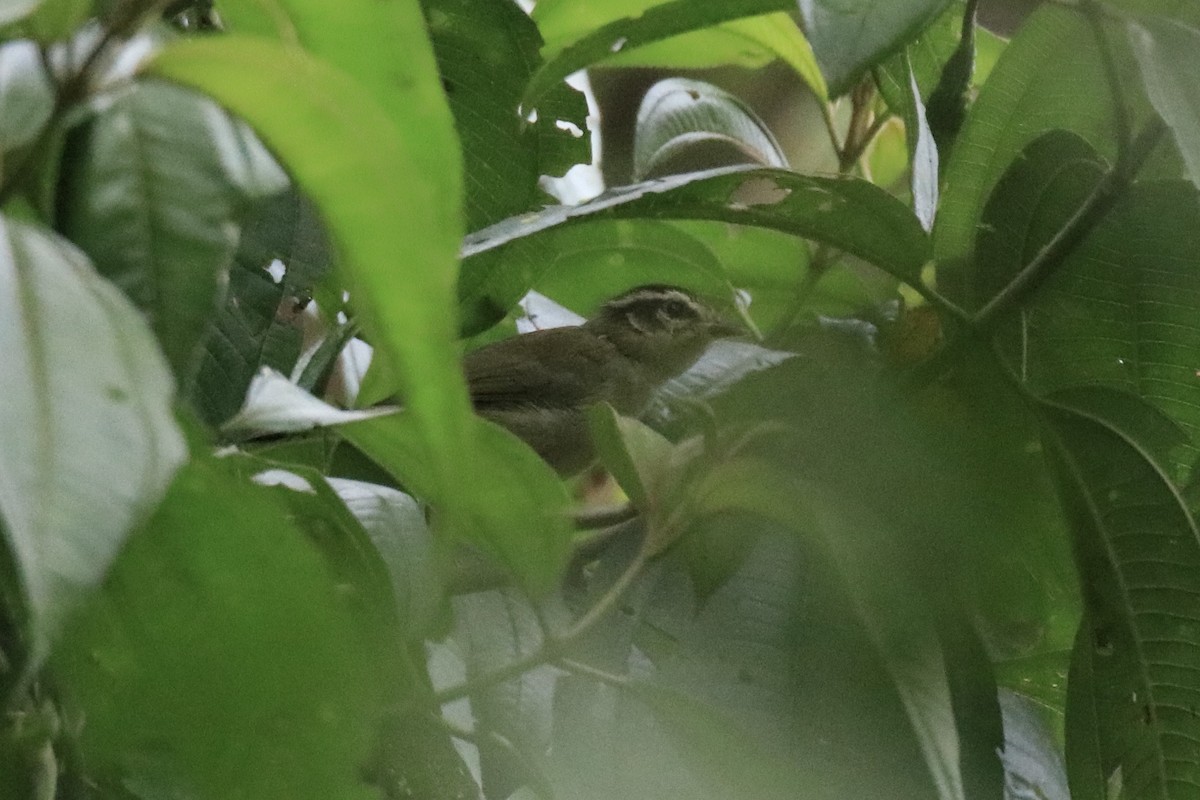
(1081, 223)
(552, 647)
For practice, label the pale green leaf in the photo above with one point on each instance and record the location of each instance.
(1168, 52)
(87, 439)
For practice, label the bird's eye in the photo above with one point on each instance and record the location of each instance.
(677, 308)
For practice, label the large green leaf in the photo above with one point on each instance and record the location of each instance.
(1167, 54)
(385, 49)
(145, 194)
(1045, 79)
(751, 42)
(850, 214)
(1134, 680)
(26, 96)
(515, 508)
(1038, 193)
(87, 440)
(374, 185)
(1118, 311)
(849, 37)
(224, 657)
(661, 21)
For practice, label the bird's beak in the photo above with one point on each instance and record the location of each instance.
(722, 328)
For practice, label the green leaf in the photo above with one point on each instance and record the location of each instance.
(147, 198)
(682, 118)
(487, 50)
(54, 20)
(1040, 191)
(853, 215)
(385, 49)
(396, 524)
(850, 37)
(1167, 52)
(635, 454)
(365, 173)
(1115, 313)
(1044, 80)
(87, 440)
(16, 10)
(223, 659)
(1131, 688)
(512, 505)
(661, 21)
(751, 43)
(26, 94)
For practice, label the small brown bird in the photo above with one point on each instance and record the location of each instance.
(540, 385)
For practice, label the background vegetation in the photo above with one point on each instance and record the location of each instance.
(933, 537)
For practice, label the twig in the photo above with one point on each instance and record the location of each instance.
(1095, 17)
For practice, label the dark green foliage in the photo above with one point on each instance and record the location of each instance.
(932, 535)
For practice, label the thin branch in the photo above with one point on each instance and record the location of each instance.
(588, 671)
(552, 647)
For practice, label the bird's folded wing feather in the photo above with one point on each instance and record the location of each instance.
(552, 368)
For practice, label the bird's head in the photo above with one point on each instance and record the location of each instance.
(664, 328)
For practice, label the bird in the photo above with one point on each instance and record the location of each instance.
(540, 385)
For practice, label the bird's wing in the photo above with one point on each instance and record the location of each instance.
(551, 368)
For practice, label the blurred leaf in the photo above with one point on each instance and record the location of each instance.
(364, 172)
(497, 628)
(146, 195)
(87, 440)
(927, 55)
(724, 364)
(276, 405)
(15, 10)
(922, 155)
(53, 20)
(661, 21)
(751, 42)
(385, 49)
(26, 94)
(681, 118)
(396, 525)
(850, 214)
(1166, 51)
(515, 509)
(222, 660)
(850, 37)
(1131, 690)
(1113, 313)
(634, 453)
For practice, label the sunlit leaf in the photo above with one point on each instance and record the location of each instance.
(362, 171)
(656, 23)
(87, 440)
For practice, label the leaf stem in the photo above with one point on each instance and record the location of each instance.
(552, 647)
